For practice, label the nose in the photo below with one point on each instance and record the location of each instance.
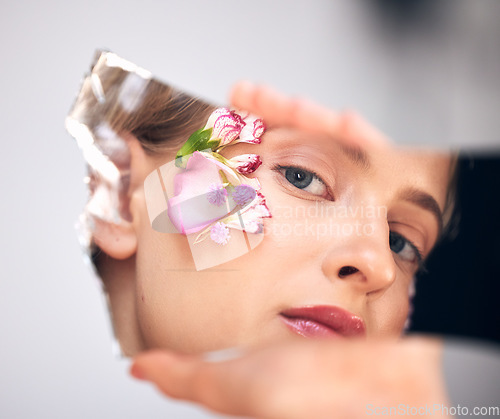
(364, 259)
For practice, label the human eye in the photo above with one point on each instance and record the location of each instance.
(405, 249)
(305, 180)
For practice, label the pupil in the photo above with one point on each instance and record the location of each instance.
(299, 178)
(396, 242)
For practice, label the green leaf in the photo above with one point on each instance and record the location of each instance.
(198, 141)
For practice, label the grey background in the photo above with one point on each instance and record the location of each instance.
(434, 82)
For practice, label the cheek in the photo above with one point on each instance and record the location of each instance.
(193, 311)
(388, 314)
(159, 295)
(176, 306)
(292, 232)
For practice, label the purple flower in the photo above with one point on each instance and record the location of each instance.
(250, 219)
(219, 233)
(243, 194)
(217, 194)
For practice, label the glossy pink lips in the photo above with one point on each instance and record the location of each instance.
(323, 321)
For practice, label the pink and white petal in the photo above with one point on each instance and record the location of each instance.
(246, 163)
(215, 115)
(245, 222)
(252, 131)
(227, 128)
(258, 128)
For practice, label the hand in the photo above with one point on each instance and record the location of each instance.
(305, 379)
(278, 110)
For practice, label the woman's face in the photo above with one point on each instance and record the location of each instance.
(347, 234)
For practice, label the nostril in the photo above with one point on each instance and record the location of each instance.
(346, 271)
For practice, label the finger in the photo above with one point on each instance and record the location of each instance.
(242, 96)
(355, 129)
(277, 109)
(273, 106)
(309, 116)
(170, 372)
(348, 127)
(215, 385)
(261, 100)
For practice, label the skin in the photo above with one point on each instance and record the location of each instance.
(177, 308)
(223, 306)
(320, 379)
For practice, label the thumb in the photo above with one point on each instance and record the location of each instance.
(172, 373)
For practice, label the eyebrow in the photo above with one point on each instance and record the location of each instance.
(413, 195)
(357, 155)
(424, 201)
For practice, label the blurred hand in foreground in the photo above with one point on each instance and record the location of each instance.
(279, 110)
(309, 379)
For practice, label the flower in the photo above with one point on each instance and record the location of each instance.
(189, 208)
(253, 130)
(243, 194)
(226, 126)
(245, 163)
(217, 194)
(206, 178)
(250, 218)
(219, 233)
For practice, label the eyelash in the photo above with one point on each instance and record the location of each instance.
(418, 253)
(280, 168)
(420, 257)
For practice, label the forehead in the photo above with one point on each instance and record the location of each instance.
(427, 170)
(390, 168)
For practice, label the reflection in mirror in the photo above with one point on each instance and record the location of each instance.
(209, 233)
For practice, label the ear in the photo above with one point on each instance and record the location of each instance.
(118, 238)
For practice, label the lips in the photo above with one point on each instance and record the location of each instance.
(323, 321)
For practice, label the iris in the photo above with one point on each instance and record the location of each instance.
(298, 177)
